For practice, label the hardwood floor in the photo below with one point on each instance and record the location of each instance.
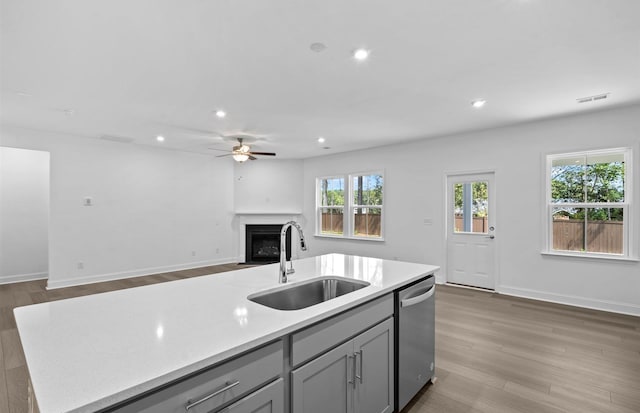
(494, 353)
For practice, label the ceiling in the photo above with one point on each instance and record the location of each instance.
(138, 69)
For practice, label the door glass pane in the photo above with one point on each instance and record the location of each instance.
(366, 222)
(331, 220)
(471, 207)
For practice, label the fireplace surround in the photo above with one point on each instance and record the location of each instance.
(262, 243)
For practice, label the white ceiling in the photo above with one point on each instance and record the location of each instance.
(141, 68)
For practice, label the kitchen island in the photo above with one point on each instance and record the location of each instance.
(91, 353)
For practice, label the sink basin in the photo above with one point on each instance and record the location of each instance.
(308, 293)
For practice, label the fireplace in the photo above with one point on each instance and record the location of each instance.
(263, 244)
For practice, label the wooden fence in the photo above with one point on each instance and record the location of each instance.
(365, 224)
(479, 224)
(602, 236)
(568, 234)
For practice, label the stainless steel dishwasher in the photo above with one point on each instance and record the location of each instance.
(415, 339)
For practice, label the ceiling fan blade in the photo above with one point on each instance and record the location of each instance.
(253, 158)
(263, 153)
(227, 154)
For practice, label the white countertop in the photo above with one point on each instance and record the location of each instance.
(91, 352)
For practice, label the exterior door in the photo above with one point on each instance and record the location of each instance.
(471, 230)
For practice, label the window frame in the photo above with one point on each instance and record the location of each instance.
(349, 206)
(627, 206)
(320, 207)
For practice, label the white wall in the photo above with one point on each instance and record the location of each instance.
(154, 210)
(24, 214)
(268, 186)
(414, 191)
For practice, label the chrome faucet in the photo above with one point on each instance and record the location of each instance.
(283, 272)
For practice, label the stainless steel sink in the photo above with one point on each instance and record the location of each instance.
(308, 293)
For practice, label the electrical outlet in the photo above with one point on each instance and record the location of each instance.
(217, 250)
(80, 265)
(88, 201)
(193, 253)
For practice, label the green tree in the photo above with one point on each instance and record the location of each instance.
(599, 182)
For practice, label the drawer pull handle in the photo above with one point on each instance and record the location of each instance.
(228, 386)
(408, 302)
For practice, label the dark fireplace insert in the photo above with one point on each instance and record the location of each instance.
(263, 244)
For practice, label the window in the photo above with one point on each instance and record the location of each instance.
(363, 204)
(331, 206)
(589, 204)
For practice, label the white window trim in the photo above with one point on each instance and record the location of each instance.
(630, 237)
(348, 223)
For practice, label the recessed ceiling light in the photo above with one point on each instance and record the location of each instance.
(160, 138)
(361, 54)
(318, 47)
(321, 139)
(221, 113)
(478, 103)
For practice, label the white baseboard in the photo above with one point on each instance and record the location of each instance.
(604, 305)
(92, 279)
(18, 278)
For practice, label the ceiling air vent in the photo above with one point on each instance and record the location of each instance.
(113, 138)
(593, 98)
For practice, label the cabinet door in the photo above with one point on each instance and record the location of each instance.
(325, 384)
(373, 352)
(269, 399)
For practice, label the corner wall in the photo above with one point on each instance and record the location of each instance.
(414, 191)
(153, 210)
(24, 214)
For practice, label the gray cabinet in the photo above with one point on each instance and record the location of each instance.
(218, 386)
(373, 361)
(269, 399)
(354, 377)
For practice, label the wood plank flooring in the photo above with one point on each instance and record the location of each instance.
(494, 353)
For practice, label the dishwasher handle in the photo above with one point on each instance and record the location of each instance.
(408, 302)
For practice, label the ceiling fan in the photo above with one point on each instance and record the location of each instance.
(242, 152)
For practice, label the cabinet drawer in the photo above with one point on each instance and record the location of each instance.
(216, 386)
(269, 399)
(314, 340)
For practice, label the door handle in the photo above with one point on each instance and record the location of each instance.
(490, 236)
(408, 302)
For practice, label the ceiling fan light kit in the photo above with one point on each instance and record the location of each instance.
(242, 152)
